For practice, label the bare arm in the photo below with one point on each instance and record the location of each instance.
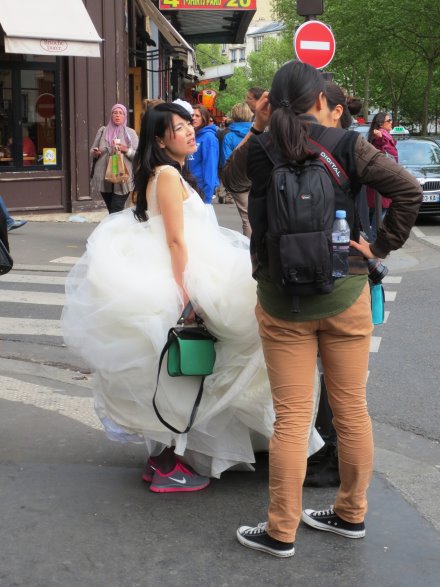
(169, 199)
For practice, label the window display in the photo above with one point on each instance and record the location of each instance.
(29, 136)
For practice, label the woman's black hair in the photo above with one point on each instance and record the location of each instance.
(295, 89)
(335, 96)
(155, 122)
(376, 123)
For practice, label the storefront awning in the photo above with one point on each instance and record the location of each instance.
(60, 28)
(172, 36)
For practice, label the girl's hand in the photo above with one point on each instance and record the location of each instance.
(364, 247)
(377, 133)
(96, 152)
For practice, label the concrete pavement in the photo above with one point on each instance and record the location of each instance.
(75, 512)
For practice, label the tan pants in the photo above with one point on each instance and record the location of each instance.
(290, 350)
(241, 201)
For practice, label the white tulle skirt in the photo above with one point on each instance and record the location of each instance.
(121, 300)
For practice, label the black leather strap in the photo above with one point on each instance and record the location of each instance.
(171, 338)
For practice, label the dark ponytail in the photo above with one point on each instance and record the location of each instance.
(295, 89)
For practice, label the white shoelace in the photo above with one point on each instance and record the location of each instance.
(323, 513)
(261, 527)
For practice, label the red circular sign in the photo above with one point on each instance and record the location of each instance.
(45, 105)
(314, 44)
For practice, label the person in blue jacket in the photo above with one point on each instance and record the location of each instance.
(241, 116)
(203, 164)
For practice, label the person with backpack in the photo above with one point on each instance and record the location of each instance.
(300, 309)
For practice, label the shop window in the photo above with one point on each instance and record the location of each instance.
(29, 116)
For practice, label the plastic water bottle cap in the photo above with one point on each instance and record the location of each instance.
(341, 214)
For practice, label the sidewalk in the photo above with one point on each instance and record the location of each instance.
(93, 216)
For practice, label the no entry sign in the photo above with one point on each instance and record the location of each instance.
(45, 105)
(314, 44)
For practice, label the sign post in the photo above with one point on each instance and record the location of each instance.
(314, 44)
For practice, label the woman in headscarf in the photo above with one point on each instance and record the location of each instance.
(116, 136)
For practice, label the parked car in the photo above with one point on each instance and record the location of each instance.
(361, 129)
(421, 157)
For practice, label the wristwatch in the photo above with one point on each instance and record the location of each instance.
(254, 131)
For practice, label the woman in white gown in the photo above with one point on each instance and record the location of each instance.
(139, 271)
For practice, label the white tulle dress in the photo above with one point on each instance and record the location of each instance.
(121, 300)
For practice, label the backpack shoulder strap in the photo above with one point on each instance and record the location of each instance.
(327, 142)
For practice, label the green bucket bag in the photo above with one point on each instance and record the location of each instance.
(191, 352)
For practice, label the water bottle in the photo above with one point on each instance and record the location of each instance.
(341, 244)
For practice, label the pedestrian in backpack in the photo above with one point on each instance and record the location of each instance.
(337, 323)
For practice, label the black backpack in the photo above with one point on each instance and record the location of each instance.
(300, 214)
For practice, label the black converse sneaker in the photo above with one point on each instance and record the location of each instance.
(258, 539)
(328, 521)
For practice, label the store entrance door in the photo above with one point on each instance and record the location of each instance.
(135, 98)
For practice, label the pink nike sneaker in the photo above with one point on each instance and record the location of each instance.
(181, 478)
(150, 469)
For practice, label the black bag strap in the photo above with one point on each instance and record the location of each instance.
(335, 169)
(172, 336)
(324, 147)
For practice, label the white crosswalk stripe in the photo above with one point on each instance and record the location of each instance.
(375, 344)
(30, 326)
(66, 260)
(390, 296)
(34, 279)
(21, 324)
(32, 297)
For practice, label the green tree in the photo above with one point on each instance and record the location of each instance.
(264, 63)
(209, 56)
(236, 90)
(382, 48)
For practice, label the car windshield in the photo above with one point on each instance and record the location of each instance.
(418, 153)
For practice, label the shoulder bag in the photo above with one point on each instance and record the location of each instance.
(191, 352)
